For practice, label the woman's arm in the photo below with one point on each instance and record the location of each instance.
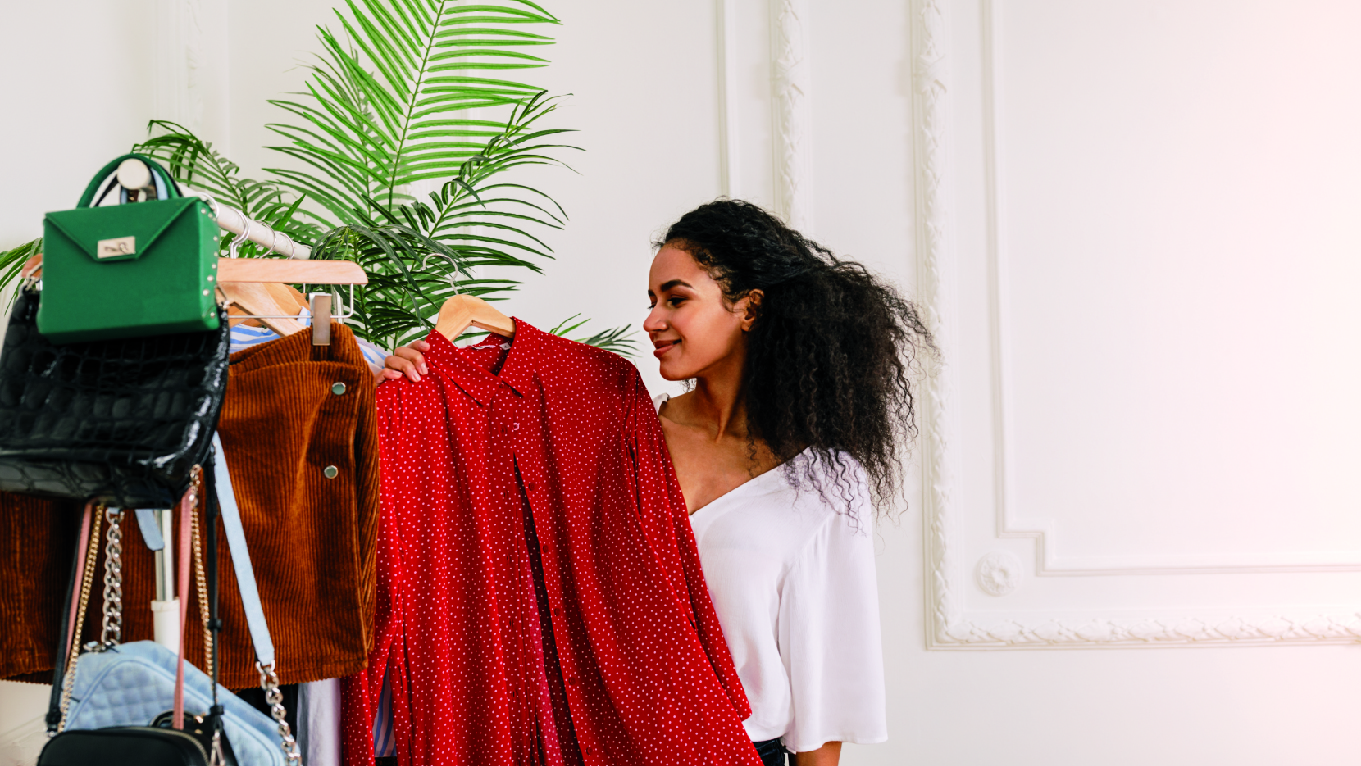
(827, 755)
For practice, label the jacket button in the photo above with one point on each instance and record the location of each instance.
(338, 388)
(331, 472)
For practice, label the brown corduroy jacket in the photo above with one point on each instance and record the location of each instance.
(293, 412)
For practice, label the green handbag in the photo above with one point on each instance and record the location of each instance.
(129, 270)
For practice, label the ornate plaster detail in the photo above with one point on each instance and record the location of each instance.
(999, 573)
(792, 81)
(929, 111)
(1062, 633)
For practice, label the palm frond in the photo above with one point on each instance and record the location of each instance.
(196, 164)
(380, 103)
(617, 339)
(13, 260)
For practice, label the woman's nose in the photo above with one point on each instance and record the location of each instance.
(654, 321)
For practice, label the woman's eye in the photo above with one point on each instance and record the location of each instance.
(673, 302)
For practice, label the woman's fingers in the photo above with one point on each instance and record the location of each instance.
(408, 361)
(397, 366)
(414, 356)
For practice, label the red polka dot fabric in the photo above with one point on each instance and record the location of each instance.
(612, 654)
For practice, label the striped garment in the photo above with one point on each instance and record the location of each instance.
(384, 736)
(245, 336)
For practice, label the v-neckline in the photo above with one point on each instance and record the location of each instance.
(735, 490)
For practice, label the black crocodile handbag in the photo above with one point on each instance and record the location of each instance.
(122, 421)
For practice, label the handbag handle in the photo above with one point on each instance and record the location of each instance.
(250, 599)
(172, 189)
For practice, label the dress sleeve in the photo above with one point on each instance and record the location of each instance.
(829, 637)
(667, 521)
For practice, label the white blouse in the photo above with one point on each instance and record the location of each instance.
(793, 582)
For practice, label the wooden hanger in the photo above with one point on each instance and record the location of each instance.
(463, 311)
(260, 286)
(290, 271)
(256, 300)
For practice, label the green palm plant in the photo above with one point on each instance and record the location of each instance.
(413, 92)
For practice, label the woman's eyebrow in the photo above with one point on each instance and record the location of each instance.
(672, 284)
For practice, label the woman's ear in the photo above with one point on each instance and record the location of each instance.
(750, 306)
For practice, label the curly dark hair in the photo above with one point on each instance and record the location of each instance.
(831, 353)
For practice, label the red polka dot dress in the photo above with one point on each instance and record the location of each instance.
(540, 596)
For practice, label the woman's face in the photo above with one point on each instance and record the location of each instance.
(694, 331)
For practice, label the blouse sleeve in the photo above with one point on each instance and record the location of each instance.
(829, 638)
(659, 491)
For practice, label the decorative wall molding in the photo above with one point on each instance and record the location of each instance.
(729, 165)
(1048, 560)
(949, 625)
(1164, 631)
(999, 573)
(929, 81)
(793, 128)
(180, 62)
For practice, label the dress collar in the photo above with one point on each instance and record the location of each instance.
(517, 370)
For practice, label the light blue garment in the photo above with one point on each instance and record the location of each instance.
(245, 336)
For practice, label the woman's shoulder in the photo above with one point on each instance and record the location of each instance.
(831, 489)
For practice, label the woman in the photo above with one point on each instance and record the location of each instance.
(799, 361)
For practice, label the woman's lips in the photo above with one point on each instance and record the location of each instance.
(661, 348)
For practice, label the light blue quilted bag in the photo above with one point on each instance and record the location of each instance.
(116, 685)
(131, 684)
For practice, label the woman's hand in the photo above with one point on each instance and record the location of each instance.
(408, 361)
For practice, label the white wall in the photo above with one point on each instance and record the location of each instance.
(73, 100)
(1135, 225)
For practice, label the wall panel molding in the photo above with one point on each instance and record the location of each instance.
(181, 59)
(1048, 560)
(793, 120)
(930, 152)
(950, 625)
(729, 160)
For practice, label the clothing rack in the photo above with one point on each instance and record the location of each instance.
(233, 220)
(135, 177)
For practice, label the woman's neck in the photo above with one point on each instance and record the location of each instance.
(717, 403)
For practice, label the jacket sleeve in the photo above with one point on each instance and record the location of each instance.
(663, 507)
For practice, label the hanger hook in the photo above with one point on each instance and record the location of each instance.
(239, 238)
(452, 284)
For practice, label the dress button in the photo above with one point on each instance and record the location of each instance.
(572, 680)
(530, 486)
(338, 388)
(331, 472)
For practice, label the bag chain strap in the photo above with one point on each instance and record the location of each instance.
(113, 624)
(113, 583)
(269, 681)
(202, 582)
(86, 583)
